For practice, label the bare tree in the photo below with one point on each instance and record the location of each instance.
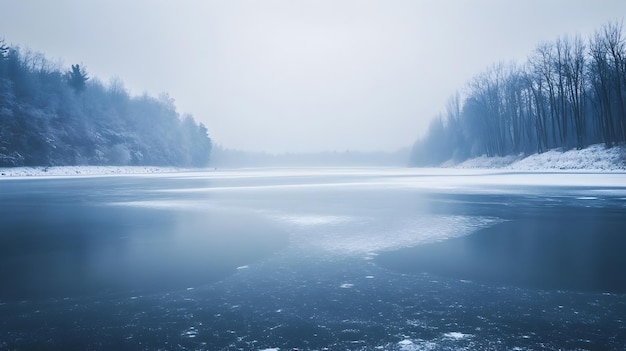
(613, 40)
(600, 79)
(543, 63)
(574, 70)
(568, 94)
(562, 46)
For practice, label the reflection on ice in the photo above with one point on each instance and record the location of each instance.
(277, 260)
(307, 220)
(189, 205)
(344, 235)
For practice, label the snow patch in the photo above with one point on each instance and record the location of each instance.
(593, 158)
(456, 335)
(81, 171)
(485, 162)
(406, 342)
(191, 332)
(421, 345)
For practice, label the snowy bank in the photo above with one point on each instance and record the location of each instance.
(72, 171)
(593, 158)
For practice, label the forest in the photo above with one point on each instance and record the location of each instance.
(50, 116)
(570, 93)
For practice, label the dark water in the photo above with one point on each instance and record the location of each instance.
(313, 260)
(562, 248)
(67, 237)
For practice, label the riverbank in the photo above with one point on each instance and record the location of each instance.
(593, 158)
(70, 171)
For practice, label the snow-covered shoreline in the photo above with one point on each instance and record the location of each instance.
(593, 158)
(78, 171)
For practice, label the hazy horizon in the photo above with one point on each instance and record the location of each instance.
(306, 76)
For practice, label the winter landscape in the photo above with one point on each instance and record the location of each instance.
(335, 258)
(312, 175)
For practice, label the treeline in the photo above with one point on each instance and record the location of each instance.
(570, 93)
(223, 157)
(50, 117)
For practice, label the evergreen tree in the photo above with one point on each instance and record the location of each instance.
(77, 78)
(52, 118)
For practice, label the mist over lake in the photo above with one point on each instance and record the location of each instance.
(312, 175)
(355, 259)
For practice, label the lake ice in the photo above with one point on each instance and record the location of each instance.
(281, 259)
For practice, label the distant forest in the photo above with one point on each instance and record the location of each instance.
(53, 117)
(570, 93)
(228, 158)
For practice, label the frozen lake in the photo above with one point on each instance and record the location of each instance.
(337, 259)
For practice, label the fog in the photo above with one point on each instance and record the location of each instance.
(305, 76)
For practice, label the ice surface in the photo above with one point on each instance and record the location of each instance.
(417, 345)
(364, 235)
(309, 220)
(361, 228)
(410, 307)
(186, 204)
(494, 181)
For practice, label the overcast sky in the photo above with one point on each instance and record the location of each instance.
(295, 75)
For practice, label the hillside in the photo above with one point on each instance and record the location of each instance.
(50, 116)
